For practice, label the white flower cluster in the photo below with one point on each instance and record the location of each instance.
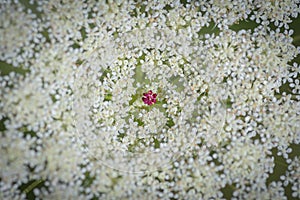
(74, 125)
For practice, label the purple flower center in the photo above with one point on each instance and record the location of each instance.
(149, 98)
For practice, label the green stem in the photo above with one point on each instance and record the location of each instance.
(33, 185)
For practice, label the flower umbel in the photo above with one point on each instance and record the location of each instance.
(224, 126)
(149, 98)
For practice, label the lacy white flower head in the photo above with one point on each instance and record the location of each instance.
(135, 99)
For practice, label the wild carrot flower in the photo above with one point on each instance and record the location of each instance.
(71, 72)
(149, 98)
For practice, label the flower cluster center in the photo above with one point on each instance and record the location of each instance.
(149, 98)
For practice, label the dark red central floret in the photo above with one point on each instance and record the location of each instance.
(149, 98)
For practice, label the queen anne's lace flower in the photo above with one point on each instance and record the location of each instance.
(149, 98)
(221, 120)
